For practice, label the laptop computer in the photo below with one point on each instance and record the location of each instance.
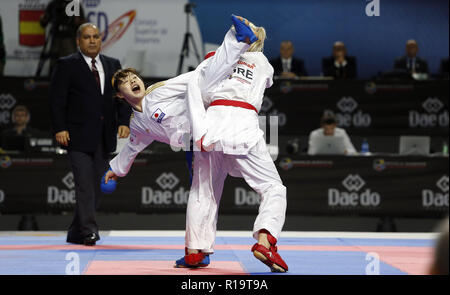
(414, 145)
(330, 145)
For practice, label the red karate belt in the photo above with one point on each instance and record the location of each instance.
(233, 103)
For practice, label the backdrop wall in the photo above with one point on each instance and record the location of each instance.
(313, 26)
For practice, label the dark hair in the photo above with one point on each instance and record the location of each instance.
(328, 120)
(20, 108)
(120, 75)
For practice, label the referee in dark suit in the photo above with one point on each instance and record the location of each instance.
(86, 119)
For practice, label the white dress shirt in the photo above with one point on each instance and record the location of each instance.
(287, 64)
(338, 65)
(98, 64)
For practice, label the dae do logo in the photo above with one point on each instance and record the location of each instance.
(436, 199)
(353, 196)
(167, 182)
(436, 115)
(243, 197)
(349, 116)
(63, 196)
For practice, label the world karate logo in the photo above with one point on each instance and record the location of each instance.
(5, 161)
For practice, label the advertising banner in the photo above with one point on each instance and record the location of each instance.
(367, 186)
(146, 35)
(361, 107)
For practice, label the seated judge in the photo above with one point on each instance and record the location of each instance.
(328, 127)
(339, 65)
(411, 62)
(17, 137)
(286, 65)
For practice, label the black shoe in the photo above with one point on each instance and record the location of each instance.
(90, 239)
(74, 240)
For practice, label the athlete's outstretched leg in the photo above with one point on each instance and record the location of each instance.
(260, 173)
(202, 209)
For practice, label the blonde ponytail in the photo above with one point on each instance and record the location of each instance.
(260, 32)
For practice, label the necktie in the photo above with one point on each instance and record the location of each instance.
(286, 66)
(95, 72)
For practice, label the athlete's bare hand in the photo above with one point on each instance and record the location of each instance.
(123, 131)
(110, 175)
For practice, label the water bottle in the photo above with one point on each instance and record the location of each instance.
(445, 149)
(365, 147)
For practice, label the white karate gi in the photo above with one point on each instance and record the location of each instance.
(240, 150)
(164, 115)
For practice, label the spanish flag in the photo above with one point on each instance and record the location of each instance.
(31, 33)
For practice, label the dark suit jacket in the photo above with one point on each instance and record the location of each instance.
(297, 66)
(421, 64)
(78, 106)
(348, 72)
(444, 66)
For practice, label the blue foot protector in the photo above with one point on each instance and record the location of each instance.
(243, 31)
(109, 187)
(181, 263)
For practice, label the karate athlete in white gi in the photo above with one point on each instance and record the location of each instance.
(160, 112)
(230, 128)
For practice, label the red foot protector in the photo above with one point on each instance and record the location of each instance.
(193, 260)
(270, 257)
